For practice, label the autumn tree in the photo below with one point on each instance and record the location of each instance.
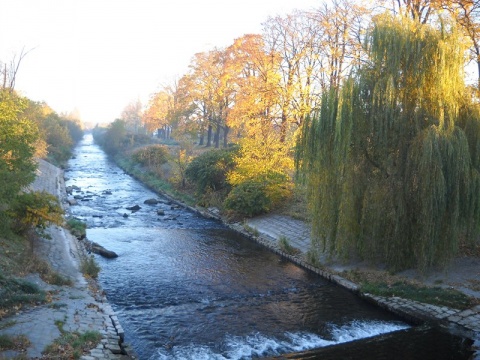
(391, 163)
(132, 116)
(157, 114)
(467, 15)
(256, 81)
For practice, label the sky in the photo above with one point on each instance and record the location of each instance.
(97, 56)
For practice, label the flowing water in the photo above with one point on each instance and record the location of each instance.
(185, 287)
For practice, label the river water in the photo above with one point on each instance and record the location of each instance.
(185, 287)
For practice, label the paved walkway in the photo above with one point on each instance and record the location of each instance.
(75, 308)
(272, 227)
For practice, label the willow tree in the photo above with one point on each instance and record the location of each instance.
(391, 163)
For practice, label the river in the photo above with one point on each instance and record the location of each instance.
(185, 287)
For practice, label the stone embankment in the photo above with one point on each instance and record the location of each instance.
(78, 308)
(269, 229)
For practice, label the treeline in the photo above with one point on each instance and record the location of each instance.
(30, 130)
(372, 106)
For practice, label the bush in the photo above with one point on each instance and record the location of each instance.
(35, 210)
(89, 267)
(209, 170)
(77, 228)
(152, 156)
(249, 199)
(259, 195)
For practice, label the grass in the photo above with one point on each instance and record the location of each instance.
(15, 292)
(286, 247)
(72, 345)
(89, 267)
(153, 181)
(252, 230)
(8, 342)
(77, 227)
(430, 295)
(383, 284)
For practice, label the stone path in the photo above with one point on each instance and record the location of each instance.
(75, 308)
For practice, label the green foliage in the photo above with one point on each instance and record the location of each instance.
(152, 156)
(208, 171)
(72, 345)
(58, 138)
(8, 342)
(89, 267)
(259, 195)
(113, 138)
(17, 138)
(429, 295)
(15, 291)
(391, 161)
(77, 227)
(285, 246)
(35, 210)
(249, 198)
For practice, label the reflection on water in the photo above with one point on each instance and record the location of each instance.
(188, 288)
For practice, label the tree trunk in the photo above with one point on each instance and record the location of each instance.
(226, 129)
(209, 136)
(217, 137)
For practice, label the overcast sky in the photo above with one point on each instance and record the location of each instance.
(97, 56)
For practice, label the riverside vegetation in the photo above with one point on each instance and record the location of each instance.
(379, 150)
(28, 130)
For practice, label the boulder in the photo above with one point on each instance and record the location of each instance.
(134, 208)
(72, 202)
(100, 250)
(151, 202)
(160, 212)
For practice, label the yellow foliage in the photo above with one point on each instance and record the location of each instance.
(260, 156)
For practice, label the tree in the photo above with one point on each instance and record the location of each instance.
(9, 72)
(391, 163)
(157, 114)
(17, 146)
(132, 116)
(467, 16)
(256, 80)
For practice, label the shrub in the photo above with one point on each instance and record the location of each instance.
(249, 199)
(209, 170)
(89, 267)
(35, 210)
(151, 156)
(259, 195)
(77, 227)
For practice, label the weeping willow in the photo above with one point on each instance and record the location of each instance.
(391, 161)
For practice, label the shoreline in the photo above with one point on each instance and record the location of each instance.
(80, 307)
(463, 323)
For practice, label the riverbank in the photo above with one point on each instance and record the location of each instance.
(463, 274)
(274, 231)
(79, 308)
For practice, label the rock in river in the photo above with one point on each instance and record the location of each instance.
(134, 208)
(151, 202)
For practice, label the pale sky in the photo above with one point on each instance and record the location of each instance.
(97, 56)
